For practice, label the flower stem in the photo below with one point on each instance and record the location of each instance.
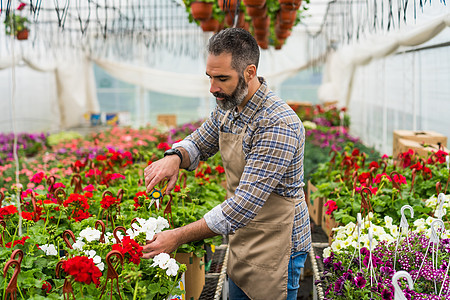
(135, 290)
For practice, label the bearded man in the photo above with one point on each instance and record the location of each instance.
(261, 141)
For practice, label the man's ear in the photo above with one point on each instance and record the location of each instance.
(250, 72)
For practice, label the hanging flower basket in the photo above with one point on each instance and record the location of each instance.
(290, 4)
(210, 25)
(22, 35)
(201, 10)
(254, 11)
(254, 3)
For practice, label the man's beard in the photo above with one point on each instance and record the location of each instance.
(236, 98)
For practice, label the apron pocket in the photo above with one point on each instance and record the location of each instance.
(261, 244)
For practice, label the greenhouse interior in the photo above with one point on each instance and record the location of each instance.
(224, 149)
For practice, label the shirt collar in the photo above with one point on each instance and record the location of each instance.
(249, 109)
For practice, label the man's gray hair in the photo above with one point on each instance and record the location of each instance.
(240, 43)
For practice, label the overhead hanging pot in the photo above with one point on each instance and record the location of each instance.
(201, 10)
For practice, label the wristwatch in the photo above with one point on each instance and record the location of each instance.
(174, 151)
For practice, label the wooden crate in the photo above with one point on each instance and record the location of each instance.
(194, 275)
(425, 136)
(328, 223)
(167, 120)
(423, 151)
(315, 206)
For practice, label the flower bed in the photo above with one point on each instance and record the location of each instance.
(84, 216)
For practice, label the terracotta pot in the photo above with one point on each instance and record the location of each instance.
(290, 4)
(22, 35)
(287, 16)
(284, 26)
(209, 25)
(201, 10)
(227, 5)
(263, 44)
(254, 3)
(229, 19)
(282, 34)
(261, 34)
(279, 44)
(260, 12)
(261, 23)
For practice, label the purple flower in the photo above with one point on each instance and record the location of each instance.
(360, 281)
(338, 285)
(386, 295)
(387, 271)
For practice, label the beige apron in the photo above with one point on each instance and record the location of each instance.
(259, 252)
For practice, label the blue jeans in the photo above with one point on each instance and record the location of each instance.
(296, 262)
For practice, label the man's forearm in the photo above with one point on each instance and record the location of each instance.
(196, 231)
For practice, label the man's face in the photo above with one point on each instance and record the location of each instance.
(229, 87)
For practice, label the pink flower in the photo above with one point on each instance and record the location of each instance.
(89, 188)
(332, 206)
(37, 178)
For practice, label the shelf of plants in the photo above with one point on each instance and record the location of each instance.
(390, 221)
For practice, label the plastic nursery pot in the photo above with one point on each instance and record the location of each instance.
(209, 25)
(201, 10)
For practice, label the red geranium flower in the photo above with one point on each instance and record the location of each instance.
(79, 206)
(220, 169)
(100, 157)
(399, 179)
(129, 249)
(208, 170)
(46, 286)
(7, 210)
(109, 201)
(355, 152)
(177, 189)
(374, 164)
(82, 269)
(21, 242)
(163, 146)
(138, 203)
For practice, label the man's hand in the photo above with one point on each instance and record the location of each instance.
(165, 241)
(169, 240)
(167, 167)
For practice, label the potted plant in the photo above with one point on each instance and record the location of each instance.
(17, 24)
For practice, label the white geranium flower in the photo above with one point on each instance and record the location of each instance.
(161, 223)
(90, 234)
(97, 259)
(49, 249)
(150, 227)
(388, 221)
(78, 245)
(161, 260)
(172, 267)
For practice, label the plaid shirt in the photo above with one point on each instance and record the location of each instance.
(273, 147)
